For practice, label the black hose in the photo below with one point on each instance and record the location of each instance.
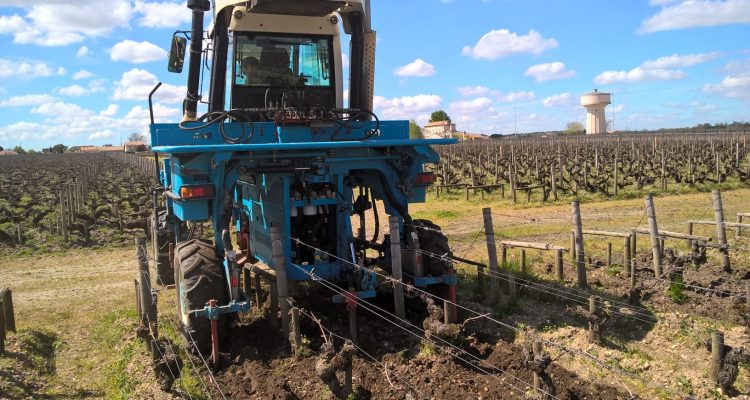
(344, 123)
(391, 199)
(377, 219)
(220, 118)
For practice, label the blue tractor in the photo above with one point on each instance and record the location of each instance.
(284, 158)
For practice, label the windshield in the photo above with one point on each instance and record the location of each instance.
(269, 60)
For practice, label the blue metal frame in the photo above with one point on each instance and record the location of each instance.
(200, 156)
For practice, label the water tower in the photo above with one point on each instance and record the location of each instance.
(595, 103)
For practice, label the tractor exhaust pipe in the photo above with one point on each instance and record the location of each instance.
(196, 50)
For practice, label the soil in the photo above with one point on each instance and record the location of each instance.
(256, 355)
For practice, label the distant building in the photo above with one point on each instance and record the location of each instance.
(111, 149)
(107, 148)
(8, 153)
(135, 147)
(439, 130)
(470, 136)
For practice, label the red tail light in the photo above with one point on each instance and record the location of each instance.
(188, 192)
(425, 178)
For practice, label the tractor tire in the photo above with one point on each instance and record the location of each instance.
(161, 236)
(433, 241)
(199, 276)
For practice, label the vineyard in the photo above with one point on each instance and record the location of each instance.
(609, 298)
(547, 168)
(58, 201)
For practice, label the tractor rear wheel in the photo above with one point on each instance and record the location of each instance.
(199, 278)
(437, 253)
(161, 236)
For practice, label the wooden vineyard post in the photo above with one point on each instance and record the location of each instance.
(522, 261)
(609, 254)
(717, 354)
(398, 289)
(553, 181)
(489, 234)
(594, 311)
(718, 174)
(573, 246)
(721, 230)
(614, 171)
(654, 231)
(279, 263)
(626, 260)
(559, 265)
(538, 350)
(147, 300)
(6, 297)
(296, 337)
(580, 258)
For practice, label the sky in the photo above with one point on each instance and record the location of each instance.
(79, 71)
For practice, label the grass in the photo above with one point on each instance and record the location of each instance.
(676, 290)
(109, 333)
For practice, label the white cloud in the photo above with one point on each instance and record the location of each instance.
(59, 109)
(82, 74)
(137, 52)
(137, 83)
(406, 107)
(679, 61)
(558, 100)
(618, 108)
(736, 86)
(639, 74)
(344, 61)
(166, 14)
(738, 66)
(102, 135)
(473, 91)
(60, 23)
(111, 110)
(26, 100)
(516, 96)
(24, 70)
(73, 91)
(79, 125)
(418, 68)
(83, 52)
(501, 43)
(549, 71)
(471, 106)
(696, 13)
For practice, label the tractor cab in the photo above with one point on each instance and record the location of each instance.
(271, 70)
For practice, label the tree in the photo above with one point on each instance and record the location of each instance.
(59, 148)
(1, 148)
(415, 132)
(573, 128)
(439, 115)
(19, 150)
(31, 151)
(137, 137)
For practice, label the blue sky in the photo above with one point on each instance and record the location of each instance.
(79, 71)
